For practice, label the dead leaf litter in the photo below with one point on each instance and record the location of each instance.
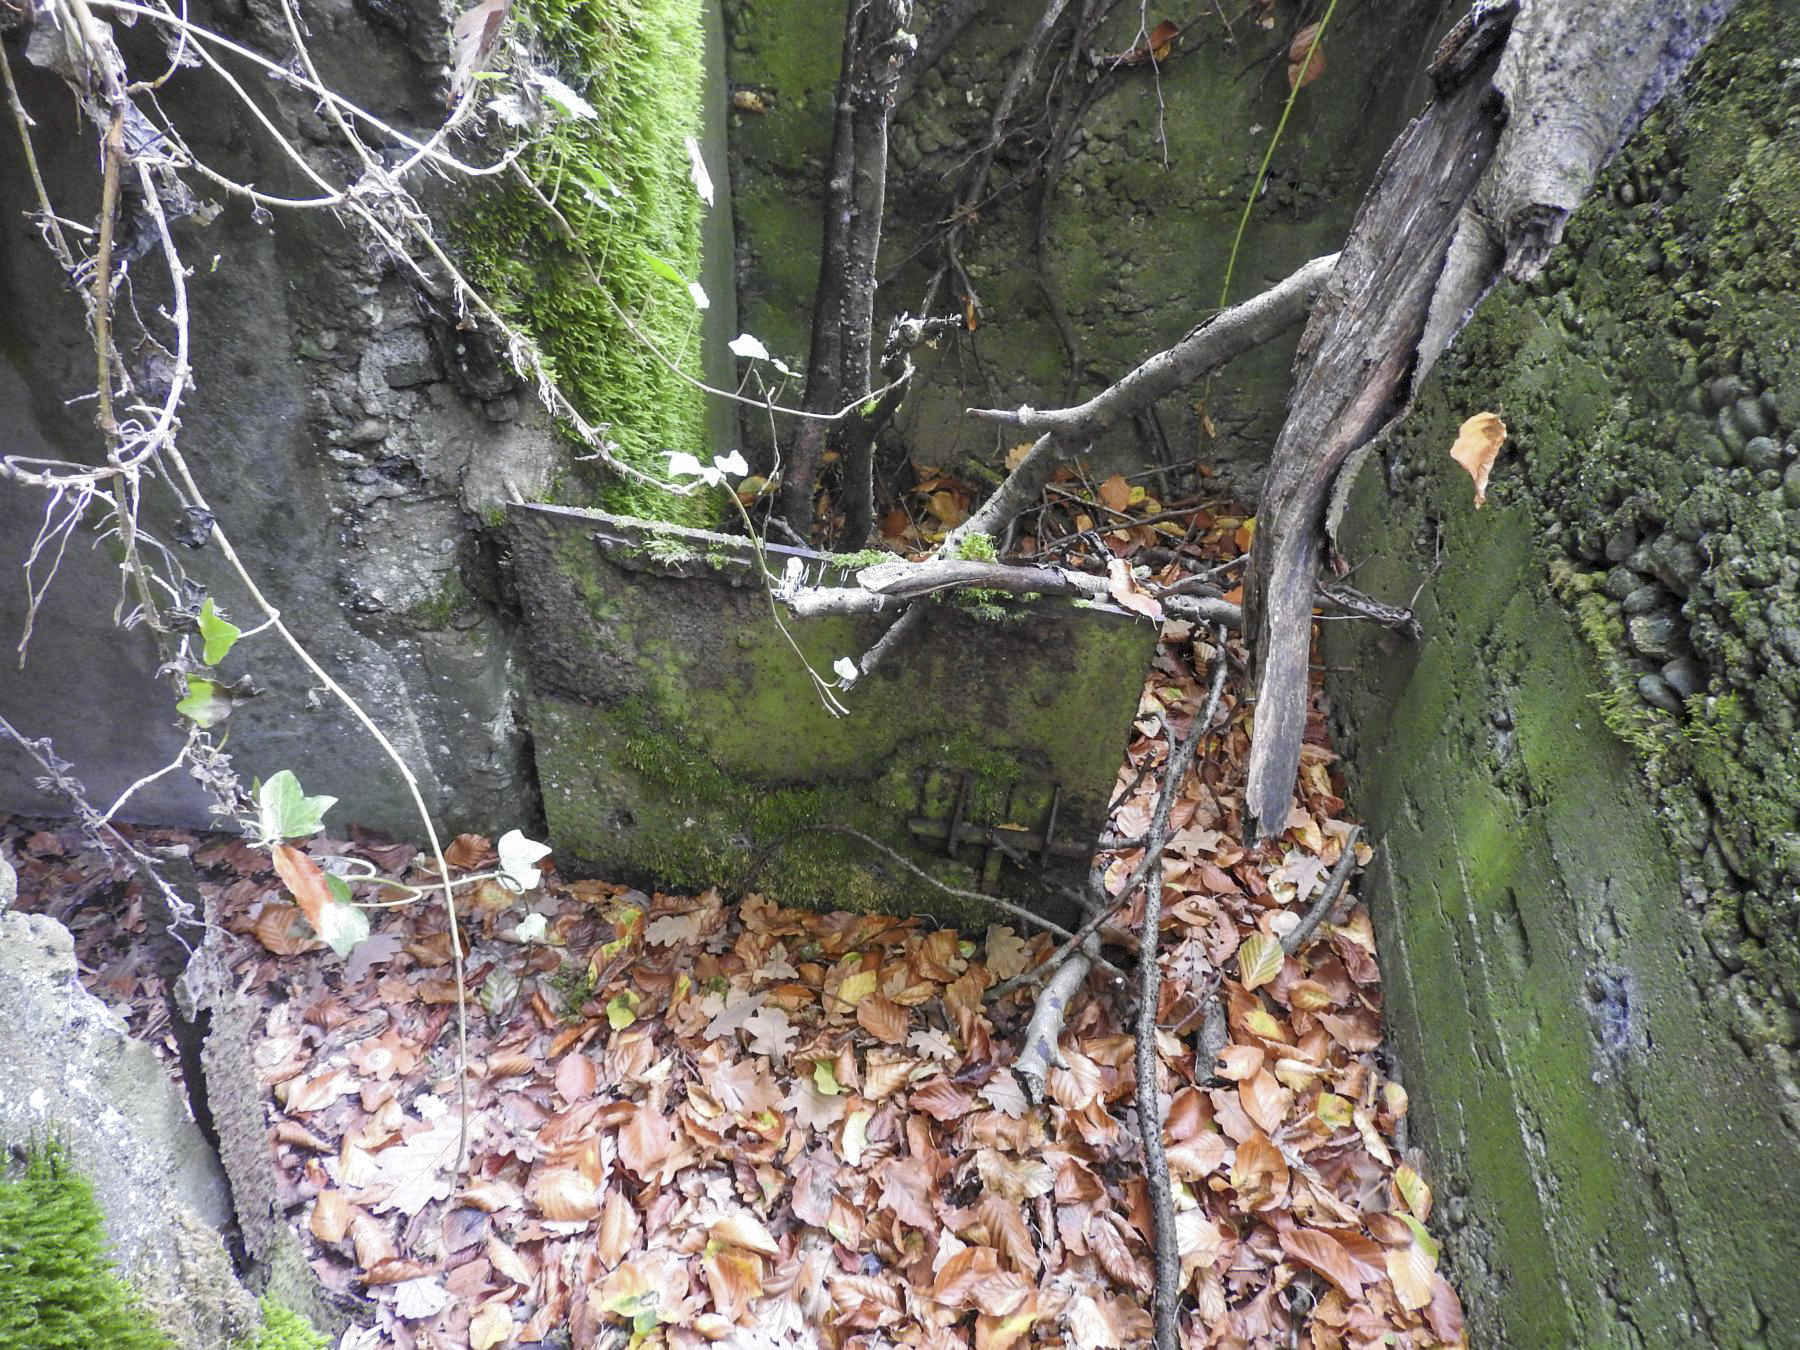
(703, 1121)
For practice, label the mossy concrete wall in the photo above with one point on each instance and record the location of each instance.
(1583, 783)
(682, 741)
(1139, 230)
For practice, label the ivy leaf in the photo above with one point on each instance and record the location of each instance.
(219, 634)
(286, 812)
(343, 926)
(206, 704)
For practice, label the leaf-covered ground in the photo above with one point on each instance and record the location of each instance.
(696, 1120)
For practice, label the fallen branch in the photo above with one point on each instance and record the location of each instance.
(1069, 964)
(886, 585)
(1062, 432)
(1328, 898)
(1149, 1103)
(1481, 182)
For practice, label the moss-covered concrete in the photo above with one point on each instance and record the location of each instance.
(628, 214)
(1583, 784)
(681, 740)
(1141, 225)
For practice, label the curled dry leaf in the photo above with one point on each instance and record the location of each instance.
(564, 1193)
(1306, 61)
(1478, 443)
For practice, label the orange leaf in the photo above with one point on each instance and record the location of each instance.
(1301, 70)
(301, 875)
(1478, 443)
(1325, 1255)
(1116, 492)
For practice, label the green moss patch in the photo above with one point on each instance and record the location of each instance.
(620, 179)
(58, 1290)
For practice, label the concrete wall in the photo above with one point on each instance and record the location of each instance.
(1582, 785)
(1140, 227)
(359, 452)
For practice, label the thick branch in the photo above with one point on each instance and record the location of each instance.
(1208, 347)
(1355, 357)
(1484, 179)
(1063, 432)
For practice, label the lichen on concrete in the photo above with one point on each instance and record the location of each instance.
(1584, 784)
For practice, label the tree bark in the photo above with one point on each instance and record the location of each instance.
(1524, 116)
(837, 366)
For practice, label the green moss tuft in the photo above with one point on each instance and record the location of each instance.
(57, 1287)
(283, 1329)
(620, 180)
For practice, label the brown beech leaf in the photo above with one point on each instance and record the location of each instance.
(281, 928)
(1323, 1253)
(491, 1324)
(1301, 71)
(575, 1077)
(1411, 1269)
(469, 851)
(1478, 443)
(735, 1276)
(331, 1216)
(1264, 1100)
(883, 1018)
(1259, 1174)
(618, 1230)
(645, 1141)
(564, 1193)
(941, 1099)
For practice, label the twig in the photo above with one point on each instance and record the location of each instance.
(1149, 1104)
(1322, 907)
(1017, 911)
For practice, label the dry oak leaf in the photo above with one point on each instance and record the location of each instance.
(1478, 443)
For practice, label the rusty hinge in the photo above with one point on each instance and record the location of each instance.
(1020, 845)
